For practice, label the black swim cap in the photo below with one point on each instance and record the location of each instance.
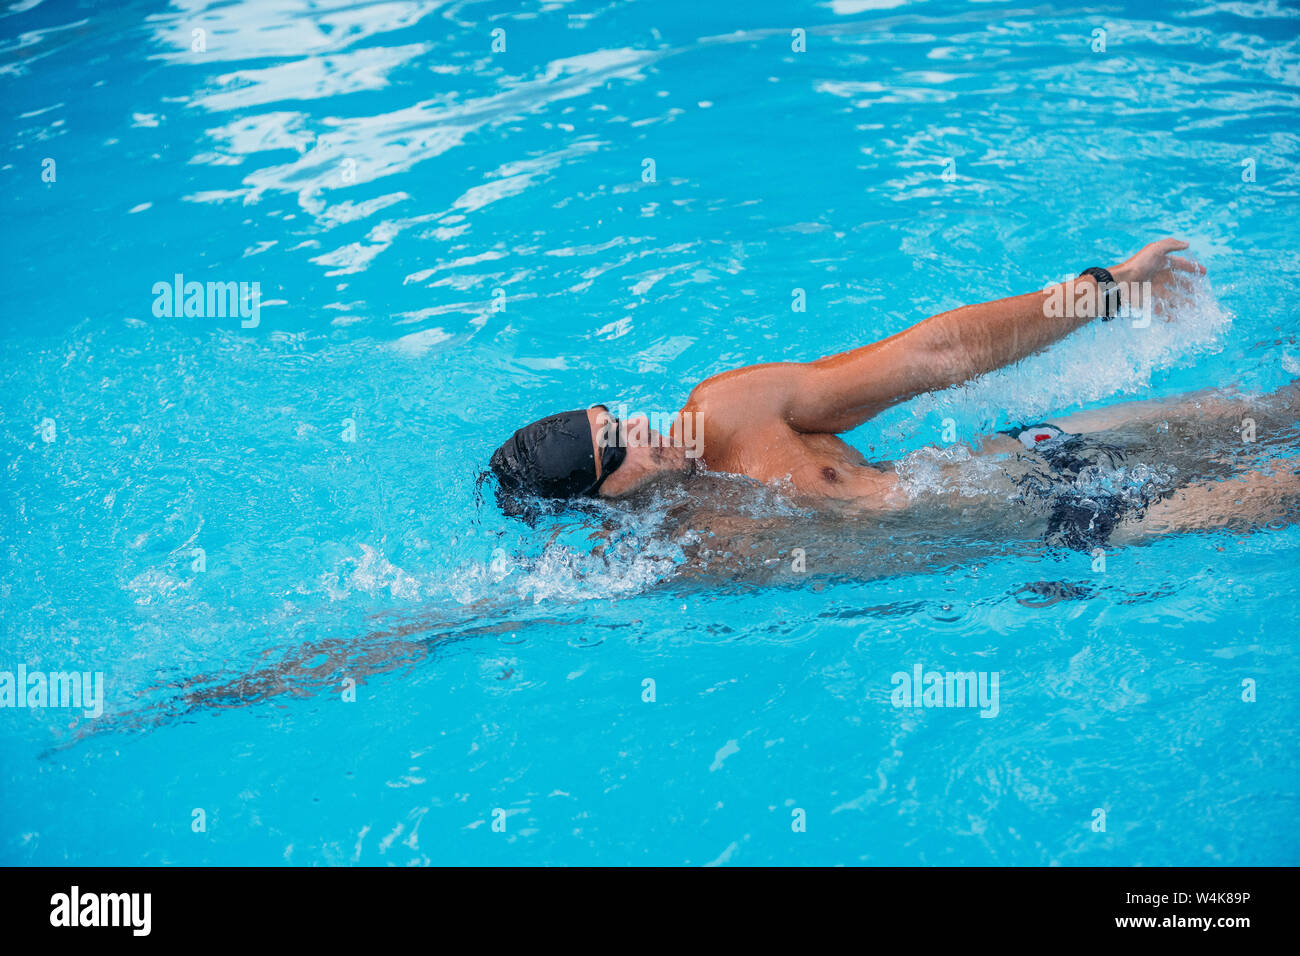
(551, 458)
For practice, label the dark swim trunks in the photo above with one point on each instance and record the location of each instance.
(1085, 483)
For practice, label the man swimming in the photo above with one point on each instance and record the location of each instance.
(779, 423)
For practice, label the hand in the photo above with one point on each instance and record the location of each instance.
(1168, 275)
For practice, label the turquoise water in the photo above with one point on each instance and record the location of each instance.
(229, 520)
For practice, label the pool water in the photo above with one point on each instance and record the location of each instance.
(321, 645)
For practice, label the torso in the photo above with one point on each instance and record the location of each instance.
(824, 466)
(809, 465)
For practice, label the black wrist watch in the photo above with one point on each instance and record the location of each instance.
(1110, 291)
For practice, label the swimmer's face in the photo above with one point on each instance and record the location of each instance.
(648, 452)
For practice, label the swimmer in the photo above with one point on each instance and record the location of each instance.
(779, 423)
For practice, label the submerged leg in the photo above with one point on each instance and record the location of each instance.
(1245, 502)
(1203, 407)
(1236, 453)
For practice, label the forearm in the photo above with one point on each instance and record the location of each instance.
(975, 339)
(841, 391)
(844, 390)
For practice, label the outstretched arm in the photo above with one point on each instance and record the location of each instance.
(840, 392)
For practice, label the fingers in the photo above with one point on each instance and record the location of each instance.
(1187, 265)
(1170, 245)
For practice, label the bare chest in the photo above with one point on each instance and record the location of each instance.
(819, 466)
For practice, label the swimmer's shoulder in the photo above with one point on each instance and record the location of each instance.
(731, 411)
